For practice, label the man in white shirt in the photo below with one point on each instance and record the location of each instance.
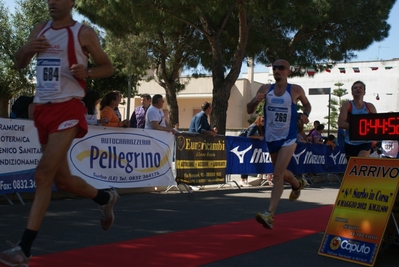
(155, 118)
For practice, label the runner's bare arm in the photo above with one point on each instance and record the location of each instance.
(103, 66)
(342, 123)
(260, 95)
(371, 107)
(34, 45)
(301, 96)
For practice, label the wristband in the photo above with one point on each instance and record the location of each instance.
(306, 114)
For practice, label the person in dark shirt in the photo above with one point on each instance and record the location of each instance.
(137, 120)
(200, 124)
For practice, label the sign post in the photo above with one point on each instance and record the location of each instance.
(323, 91)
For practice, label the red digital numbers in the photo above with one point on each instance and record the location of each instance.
(393, 126)
(363, 127)
(375, 126)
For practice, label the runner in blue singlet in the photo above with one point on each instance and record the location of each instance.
(355, 106)
(280, 132)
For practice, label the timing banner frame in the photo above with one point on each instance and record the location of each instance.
(362, 210)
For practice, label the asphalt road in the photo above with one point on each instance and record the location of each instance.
(73, 223)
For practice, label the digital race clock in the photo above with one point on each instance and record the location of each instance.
(375, 126)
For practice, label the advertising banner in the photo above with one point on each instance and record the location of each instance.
(247, 156)
(362, 210)
(200, 159)
(123, 157)
(105, 157)
(20, 152)
(251, 156)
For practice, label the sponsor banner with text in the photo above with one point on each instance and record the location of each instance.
(200, 159)
(362, 210)
(20, 152)
(251, 156)
(123, 158)
(105, 157)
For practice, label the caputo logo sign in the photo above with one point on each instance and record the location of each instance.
(120, 157)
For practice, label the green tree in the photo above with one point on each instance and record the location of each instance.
(14, 32)
(166, 46)
(335, 104)
(309, 32)
(121, 54)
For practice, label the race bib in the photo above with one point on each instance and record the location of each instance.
(280, 114)
(48, 74)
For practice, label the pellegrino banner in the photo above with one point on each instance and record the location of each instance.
(105, 157)
(123, 158)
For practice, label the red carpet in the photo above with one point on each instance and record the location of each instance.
(194, 247)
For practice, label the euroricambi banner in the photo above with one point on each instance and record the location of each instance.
(362, 210)
(200, 159)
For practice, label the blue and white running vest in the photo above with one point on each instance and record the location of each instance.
(280, 116)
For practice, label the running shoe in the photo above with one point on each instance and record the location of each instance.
(294, 195)
(266, 219)
(107, 210)
(14, 257)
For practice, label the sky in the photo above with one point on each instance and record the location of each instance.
(384, 50)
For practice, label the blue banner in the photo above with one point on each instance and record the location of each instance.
(251, 156)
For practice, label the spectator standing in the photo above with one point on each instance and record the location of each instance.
(61, 46)
(91, 100)
(302, 138)
(155, 118)
(355, 106)
(199, 123)
(316, 137)
(107, 111)
(137, 120)
(281, 132)
(315, 124)
(330, 141)
(116, 109)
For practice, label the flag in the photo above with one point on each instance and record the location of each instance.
(388, 68)
(310, 71)
(374, 68)
(342, 70)
(356, 69)
(328, 70)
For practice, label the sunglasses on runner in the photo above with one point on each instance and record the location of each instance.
(279, 67)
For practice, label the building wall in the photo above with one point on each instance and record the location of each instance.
(200, 90)
(383, 81)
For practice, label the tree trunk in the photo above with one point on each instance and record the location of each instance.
(222, 85)
(4, 112)
(173, 107)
